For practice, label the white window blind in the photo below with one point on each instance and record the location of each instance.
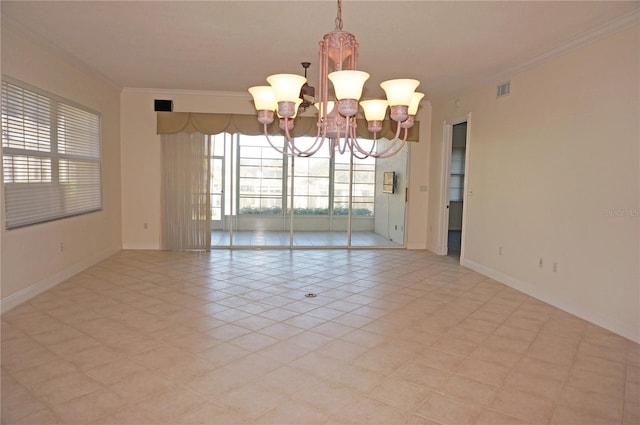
(51, 152)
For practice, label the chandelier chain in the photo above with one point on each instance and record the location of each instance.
(339, 16)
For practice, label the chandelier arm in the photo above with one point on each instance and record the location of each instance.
(293, 150)
(317, 144)
(266, 135)
(358, 152)
(315, 147)
(392, 153)
(391, 150)
(393, 143)
(359, 148)
(363, 151)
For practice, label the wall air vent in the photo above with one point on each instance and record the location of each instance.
(503, 89)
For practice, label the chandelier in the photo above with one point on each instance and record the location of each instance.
(338, 61)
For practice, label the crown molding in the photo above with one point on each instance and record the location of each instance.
(178, 92)
(609, 28)
(598, 33)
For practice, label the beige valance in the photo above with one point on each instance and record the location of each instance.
(190, 122)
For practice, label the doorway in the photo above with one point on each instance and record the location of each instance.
(453, 190)
(456, 188)
(262, 198)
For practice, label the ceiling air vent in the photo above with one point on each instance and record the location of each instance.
(503, 89)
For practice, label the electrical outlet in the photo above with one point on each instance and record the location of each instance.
(61, 248)
(555, 267)
(145, 226)
(499, 250)
(540, 263)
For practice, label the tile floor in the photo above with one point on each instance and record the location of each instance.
(393, 337)
(300, 239)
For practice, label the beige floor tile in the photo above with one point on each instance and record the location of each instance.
(354, 377)
(288, 380)
(167, 407)
(490, 417)
(448, 410)
(537, 385)
(589, 381)
(311, 340)
(438, 360)
(333, 330)
(44, 416)
(141, 385)
(65, 387)
(89, 407)
(326, 396)
(33, 376)
(150, 337)
(364, 338)
(480, 370)
(469, 390)
(222, 354)
(599, 405)
(213, 414)
(423, 375)
(113, 372)
(524, 406)
(217, 382)
(284, 352)
(253, 341)
(18, 404)
(253, 400)
(400, 393)
(131, 415)
(183, 369)
(415, 419)
(343, 350)
(281, 331)
(228, 332)
(564, 415)
(194, 342)
(290, 412)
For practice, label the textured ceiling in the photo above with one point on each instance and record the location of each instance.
(231, 45)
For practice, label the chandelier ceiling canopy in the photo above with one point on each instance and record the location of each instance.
(337, 108)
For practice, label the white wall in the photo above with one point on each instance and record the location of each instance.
(554, 170)
(31, 257)
(141, 160)
(390, 207)
(418, 181)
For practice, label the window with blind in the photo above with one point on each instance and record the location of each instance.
(51, 156)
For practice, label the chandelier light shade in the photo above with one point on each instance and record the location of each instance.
(265, 100)
(340, 84)
(286, 87)
(374, 111)
(264, 97)
(348, 84)
(330, 105)
(399, 92)
(415, 102)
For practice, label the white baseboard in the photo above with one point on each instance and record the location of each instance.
(15, 299)
(628, 331)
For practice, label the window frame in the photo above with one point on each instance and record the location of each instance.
(74, 148)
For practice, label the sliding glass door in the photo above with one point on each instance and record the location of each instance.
(261, 198)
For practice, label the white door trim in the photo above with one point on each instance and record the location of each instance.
(445, 182)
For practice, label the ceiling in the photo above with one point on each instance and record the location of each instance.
(450, 46)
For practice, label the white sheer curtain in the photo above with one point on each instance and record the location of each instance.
(185, 192)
